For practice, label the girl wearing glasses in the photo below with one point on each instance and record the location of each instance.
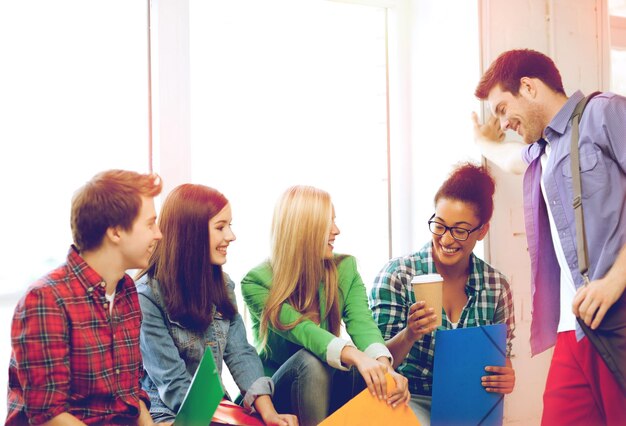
(474, 293)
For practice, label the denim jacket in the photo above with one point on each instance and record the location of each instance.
(171, 353)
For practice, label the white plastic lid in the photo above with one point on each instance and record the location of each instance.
(426, 278)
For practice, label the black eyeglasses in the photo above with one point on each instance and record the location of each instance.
(459, 234)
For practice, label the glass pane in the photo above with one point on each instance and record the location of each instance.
(287, 93)
(73, 101)
(617, 8)
(618, 71)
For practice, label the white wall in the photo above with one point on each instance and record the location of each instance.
(575, 37)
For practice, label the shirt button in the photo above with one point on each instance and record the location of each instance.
(117, 371)
(103, 284)
(90, 289)
(106, 305)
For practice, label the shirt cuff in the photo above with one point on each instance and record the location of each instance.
(376, 350)
(44, 416)
(143, 395)
(333, 353)
(262, 386)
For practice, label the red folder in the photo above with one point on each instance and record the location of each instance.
(229, 413)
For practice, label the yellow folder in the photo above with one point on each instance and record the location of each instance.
(366, 409)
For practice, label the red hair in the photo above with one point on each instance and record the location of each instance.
(111, 198)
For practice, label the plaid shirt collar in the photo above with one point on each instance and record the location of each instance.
(89, 278)
(474, 283)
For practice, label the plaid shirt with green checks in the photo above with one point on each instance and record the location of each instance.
(489, 301)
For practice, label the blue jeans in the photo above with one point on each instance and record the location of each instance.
(420, 404)
(311, 389)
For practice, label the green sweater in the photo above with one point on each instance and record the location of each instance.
(353, 306)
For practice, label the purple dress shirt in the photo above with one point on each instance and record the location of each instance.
(602, 146)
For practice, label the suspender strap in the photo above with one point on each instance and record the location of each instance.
(583, 263)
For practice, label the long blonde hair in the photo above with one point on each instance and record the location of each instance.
(302, 221)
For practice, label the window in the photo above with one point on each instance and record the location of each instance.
(285, 93)
(279, 101)
(74, 101)
(617, 19)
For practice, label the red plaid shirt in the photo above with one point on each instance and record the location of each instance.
(70, 354)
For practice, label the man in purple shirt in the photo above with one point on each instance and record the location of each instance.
(525, 94)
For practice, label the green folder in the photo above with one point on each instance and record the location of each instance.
(203, 396)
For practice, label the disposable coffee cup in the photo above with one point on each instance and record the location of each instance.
(429, 288)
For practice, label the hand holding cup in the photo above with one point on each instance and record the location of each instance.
(422, 320)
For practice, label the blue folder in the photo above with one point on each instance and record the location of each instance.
(461, 356)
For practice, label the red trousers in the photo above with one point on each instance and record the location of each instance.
(580, 389)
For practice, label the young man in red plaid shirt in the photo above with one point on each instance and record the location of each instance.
(75, 334)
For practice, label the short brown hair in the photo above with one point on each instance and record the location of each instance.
(509, 68)
(111, 198)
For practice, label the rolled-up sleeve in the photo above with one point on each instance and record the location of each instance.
(242, 360)
(333, 353)
(245, 365)
(376, 350)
